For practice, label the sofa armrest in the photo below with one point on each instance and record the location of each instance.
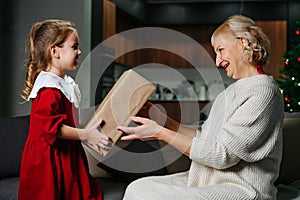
(290, 166)
(13, 134)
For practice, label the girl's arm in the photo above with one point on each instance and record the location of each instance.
(90, 135)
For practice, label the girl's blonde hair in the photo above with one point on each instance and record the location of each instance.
(237, 27)
(43, 35)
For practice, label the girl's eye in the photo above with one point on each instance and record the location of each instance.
(75, 47)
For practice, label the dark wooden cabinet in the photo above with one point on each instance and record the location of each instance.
(116, 21)
(186, 112)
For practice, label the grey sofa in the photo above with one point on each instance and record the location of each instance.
(13, 133)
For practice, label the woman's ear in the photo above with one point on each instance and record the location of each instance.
(244, 42)
(54, 51)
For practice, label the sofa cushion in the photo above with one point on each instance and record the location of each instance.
(112, 189)
(137, 159)
(13, 134)
(290, 167)
(175, 160)
(9, 188)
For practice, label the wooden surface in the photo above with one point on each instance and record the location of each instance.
(109, 19)
(277, 32)
(186, 112)
(115, 22)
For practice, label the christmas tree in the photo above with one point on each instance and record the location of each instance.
(289, 81)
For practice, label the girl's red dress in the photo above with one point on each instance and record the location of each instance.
(53, 168)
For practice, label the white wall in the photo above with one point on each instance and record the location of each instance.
(27, 12)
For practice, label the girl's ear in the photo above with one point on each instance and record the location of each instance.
(54, 51)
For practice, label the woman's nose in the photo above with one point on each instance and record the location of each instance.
(218, 60)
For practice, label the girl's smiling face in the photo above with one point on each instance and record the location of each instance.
(70, 52)
(65, 57)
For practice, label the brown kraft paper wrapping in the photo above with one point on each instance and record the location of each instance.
(125, 99)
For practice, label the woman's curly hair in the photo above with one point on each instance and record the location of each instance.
(239, 26)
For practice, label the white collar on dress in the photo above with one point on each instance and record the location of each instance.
(66, 85)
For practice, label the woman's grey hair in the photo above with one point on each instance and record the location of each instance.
(239, 26)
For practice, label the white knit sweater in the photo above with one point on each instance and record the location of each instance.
(237, 153)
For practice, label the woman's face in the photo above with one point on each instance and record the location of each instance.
(229, 56)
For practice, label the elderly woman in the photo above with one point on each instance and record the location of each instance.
(237, 152)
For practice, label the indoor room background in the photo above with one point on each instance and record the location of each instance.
(97, 20)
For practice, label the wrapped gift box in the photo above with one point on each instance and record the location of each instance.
(124, 100)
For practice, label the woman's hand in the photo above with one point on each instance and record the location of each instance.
(153, 112)
(146, 130)
(97, 139)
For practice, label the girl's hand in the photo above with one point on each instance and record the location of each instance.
(97, 139)
(147, 130)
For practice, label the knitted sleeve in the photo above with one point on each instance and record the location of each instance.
(252, 130)
(248, 131)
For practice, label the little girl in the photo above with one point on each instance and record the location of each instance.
(54, 164)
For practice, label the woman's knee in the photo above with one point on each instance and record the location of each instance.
(136, 188)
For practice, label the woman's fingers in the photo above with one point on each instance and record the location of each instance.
(129, 137)
(126, 129)
(129, 130)
(140, 120)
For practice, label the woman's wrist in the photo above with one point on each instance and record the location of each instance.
(164, 134)
(177, 140)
